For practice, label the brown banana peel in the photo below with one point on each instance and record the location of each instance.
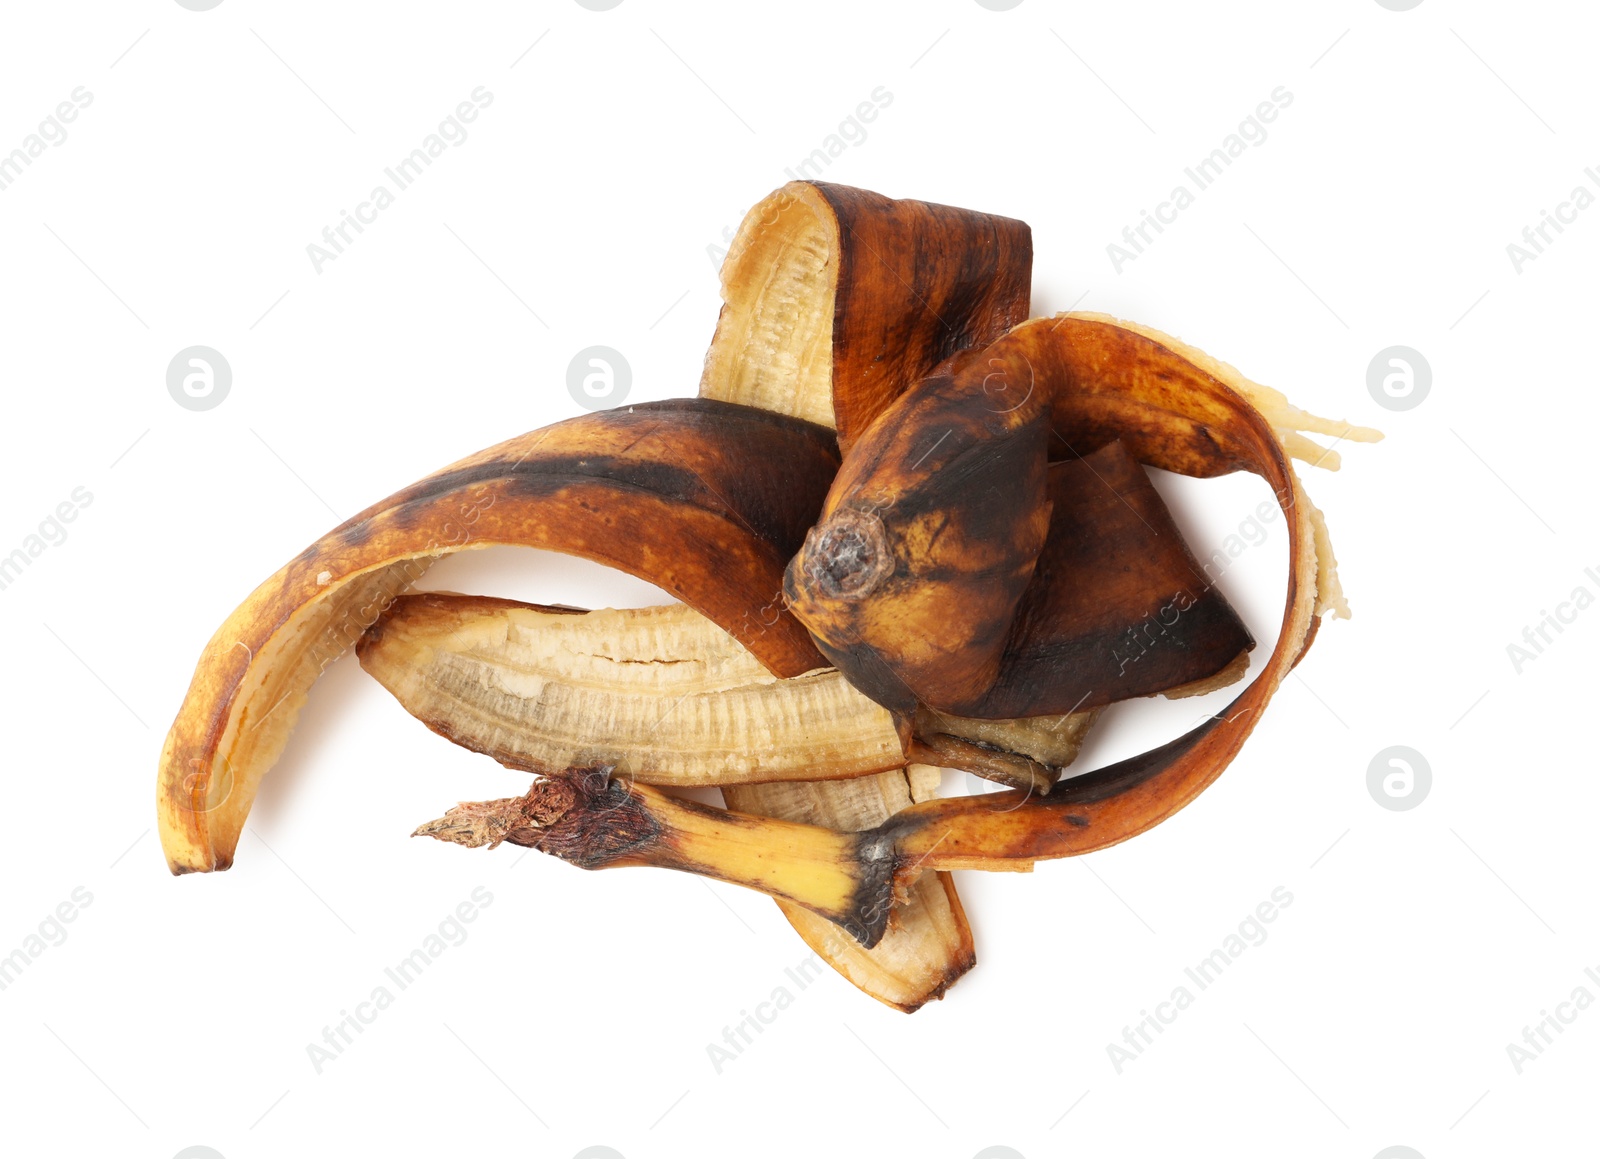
(956, 577)
(666, 697)
(911, 578)
(663, 696)
(1177, 409)
(927, 944)
(706, 499)
(1114, 604)
(837, 299)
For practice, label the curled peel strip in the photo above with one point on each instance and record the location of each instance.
(1180, 410)
(706, 499)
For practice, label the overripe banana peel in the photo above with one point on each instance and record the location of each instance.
(926, 944)
(666, 697)
(911, 579)
(1111, 604)
(705, 499)
(942, 568)
(1177, 409)
(835, 300)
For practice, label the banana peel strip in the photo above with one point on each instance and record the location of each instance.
(706, 499)
(1178, 409)
(836, 299)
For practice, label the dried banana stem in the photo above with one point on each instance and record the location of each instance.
(596, 822)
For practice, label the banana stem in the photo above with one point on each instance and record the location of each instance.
(594, 821)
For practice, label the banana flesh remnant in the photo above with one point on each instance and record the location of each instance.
(662, 695)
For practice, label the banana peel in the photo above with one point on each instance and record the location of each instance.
(837, 299)
(668, 698)
(1116, 610)
(929, 537)
(661, 695)
(706, 499)
(926, 945)
(1175, 408)
(1114, 604)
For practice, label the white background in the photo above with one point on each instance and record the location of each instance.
(177, 1012)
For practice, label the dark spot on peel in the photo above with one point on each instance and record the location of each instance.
(847, 556)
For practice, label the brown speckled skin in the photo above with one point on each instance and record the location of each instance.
(954, 472)
(1109, 382)
(917, 283)
(1118, 606)
(1175, 415)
